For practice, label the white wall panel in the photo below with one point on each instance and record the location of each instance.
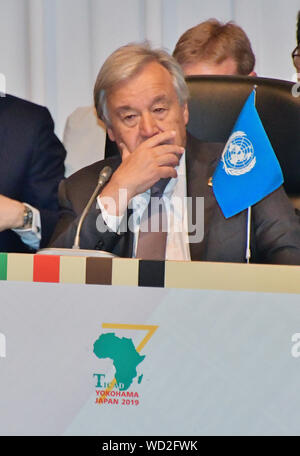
(192, 12)
(52, 50)
(271, 27)
(37, 60)
(154, 22)
(114, 23)
(74, 60)
(14, 49)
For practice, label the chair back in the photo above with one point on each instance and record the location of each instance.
(216, 101)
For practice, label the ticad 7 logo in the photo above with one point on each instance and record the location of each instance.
(2, 346)
(118, 349)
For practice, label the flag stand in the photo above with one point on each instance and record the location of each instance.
(248, 250)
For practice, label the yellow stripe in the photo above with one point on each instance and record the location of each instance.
(151, 330)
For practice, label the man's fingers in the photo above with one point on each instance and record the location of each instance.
(166, 137)
(167, 171)
(168, 149)
(162, 143)
(168, 160)
(124, 151)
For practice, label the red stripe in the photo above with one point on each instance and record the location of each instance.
(46, 268)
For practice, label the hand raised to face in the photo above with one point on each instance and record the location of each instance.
(152, 160)
(148, 124)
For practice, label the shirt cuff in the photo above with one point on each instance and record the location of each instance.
(112, 221)
(31, 236)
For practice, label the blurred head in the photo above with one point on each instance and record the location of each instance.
(296, 60)
(215, 48)
(296, 51)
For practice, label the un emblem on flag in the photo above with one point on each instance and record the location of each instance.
(238, 156)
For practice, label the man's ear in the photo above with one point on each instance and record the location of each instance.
(253, 73)
(111, 134)
(185, 113)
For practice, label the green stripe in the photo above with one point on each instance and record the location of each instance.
(3, 266)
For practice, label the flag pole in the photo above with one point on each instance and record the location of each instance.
(248, 250)
(254, 88)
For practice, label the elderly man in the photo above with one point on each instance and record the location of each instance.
(141, 96)
(208, 48)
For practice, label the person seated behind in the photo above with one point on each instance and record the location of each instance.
(215, 48)
(141, 95)
(208, 48)
(296, 51)
(32, 165)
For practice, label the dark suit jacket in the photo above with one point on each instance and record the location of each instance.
(32, 164)
(275, 227)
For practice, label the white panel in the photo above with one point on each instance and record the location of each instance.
(74, 80)
(14, 49)
(190, 13)
(279, 37)
(170, 24)
(114, 24)
(50, 37)
(153, 22)
(52, 50)
(37, 51)
(220, 362)
(271, 27)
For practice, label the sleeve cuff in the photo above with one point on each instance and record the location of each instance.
(112, 221)
(31, 236)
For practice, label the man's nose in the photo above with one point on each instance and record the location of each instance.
(148, 125)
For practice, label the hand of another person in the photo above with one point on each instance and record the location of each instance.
(11, 213)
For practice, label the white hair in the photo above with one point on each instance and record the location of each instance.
(125, 63)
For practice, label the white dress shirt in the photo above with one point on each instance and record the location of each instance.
(174, 197)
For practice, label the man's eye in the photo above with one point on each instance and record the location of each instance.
(130, 119)
(159, 110)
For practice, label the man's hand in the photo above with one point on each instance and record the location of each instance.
(152, 160)
(11, 213)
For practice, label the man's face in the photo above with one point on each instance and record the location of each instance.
(227, 67)
(144, 106)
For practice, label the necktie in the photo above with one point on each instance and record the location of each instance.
(153, 228)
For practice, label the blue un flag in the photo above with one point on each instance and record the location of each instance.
(248, 170)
